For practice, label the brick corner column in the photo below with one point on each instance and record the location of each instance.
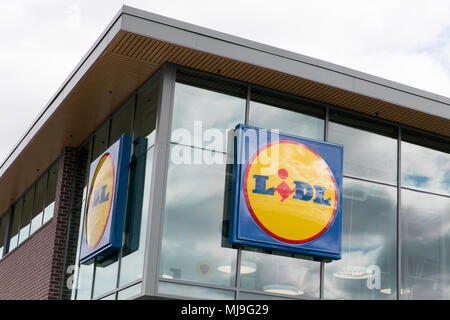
(67, 213)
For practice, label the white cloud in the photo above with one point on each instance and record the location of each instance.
(404, 41)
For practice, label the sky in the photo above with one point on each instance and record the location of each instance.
(407, 41)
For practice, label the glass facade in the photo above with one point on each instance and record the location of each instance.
(30, 212)
(120, 276)
(396, 201)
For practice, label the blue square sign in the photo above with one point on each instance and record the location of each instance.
(287, 192)
(107, 193)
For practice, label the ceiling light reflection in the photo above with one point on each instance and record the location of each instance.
(246, 268)
(283, 289)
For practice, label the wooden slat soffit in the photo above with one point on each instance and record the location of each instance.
(157, 52)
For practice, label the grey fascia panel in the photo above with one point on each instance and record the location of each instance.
(401, 98)
(209, 41)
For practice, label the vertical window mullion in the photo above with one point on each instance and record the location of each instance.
(399, 197)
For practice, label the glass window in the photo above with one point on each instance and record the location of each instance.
(147, 104)
(132, 262)
(426, 169)
(280, 274)
(51, 192)
(287, 115)
(366, 155)
(425, 246)
(202, 118)
(38, 204)
(84, 282)
(192, 246)
(15, 224)
(26, 215)
(130, 292)
(3, 229)
(254, 296)
(100, 141)
(110, 297)
(106, 275)
(122, 121)
(368, 266)
(182, 290)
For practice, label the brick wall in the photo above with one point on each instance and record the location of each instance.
(34, 270)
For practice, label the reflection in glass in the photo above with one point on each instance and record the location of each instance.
(291, 122)
(121, 121)
(130, 292)
(51, 191)
(192, 233)
(26, 215)
(100, 141)
(105, 276)
(181, 290)
(369, 253)
(366, 155)
(85, 274)
(425, 244)
(280, 274)
(254, 296)
(3, 230)
(425, 168)
(38, 203)
(132, 262)
(15, 224)
(147, 104)
(110, 297)
(202, 117)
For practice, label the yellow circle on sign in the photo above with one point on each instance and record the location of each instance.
(290, 192)
(100, 201)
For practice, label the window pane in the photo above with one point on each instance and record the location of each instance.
(38, 203)
(366, 155)
(287, 115)
(100, 141)
(182, 290)
(26, 215)
(106, 276)
(368, 266)
(147, 104)
(51, 191)
(253, 296)
(132, 263)
(121, 121)
(425, 243)
(130, 292)
(192, 246)
(15, 224)
(3, 230)
(202, 117)
(84, 286)
(110, 297)
(425, 168)
(280, 274)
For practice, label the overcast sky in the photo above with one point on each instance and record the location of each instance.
(407, 41)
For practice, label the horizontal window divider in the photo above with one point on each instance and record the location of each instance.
(427, 192)
(198, 148)
(264, 293)
(371, 181)
(197, 284)
(126, 286)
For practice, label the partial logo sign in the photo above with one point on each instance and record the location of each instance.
(104, 216)
(287, 192)
(100, 201)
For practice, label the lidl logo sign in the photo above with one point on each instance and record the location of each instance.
(104, 216)
(287, 192)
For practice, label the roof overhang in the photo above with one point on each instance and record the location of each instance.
(136, 44)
